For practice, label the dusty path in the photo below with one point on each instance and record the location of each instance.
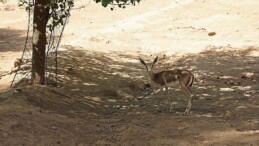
(169, 27)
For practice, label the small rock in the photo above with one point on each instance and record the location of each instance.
(117, 106)
(212, 33)
(112, 126)
(241, 107)
(123, 107)
(247, 95)
(54, 127)
(17, 90)
(69, 69)
(226, 89)
(247, 75)
(182, 128)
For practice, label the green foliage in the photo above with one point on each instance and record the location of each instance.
(26, 4)
(58, 11)
(120, 3)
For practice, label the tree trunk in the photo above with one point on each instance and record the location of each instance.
(40, 20)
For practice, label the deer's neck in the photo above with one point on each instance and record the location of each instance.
(151, 75)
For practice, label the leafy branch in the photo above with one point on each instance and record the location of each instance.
(58, 11)
(119, 3)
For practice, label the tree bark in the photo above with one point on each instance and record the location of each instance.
(40, 20)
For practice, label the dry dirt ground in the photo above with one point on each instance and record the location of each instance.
(102, 98)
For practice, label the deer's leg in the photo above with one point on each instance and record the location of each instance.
(159, 99)
(190, 97)
(169, 99)
(189, 105)
(190, 100)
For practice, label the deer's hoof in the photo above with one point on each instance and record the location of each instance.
(187, 112)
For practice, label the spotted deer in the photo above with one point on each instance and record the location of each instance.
(169, 77)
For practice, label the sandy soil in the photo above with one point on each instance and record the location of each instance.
(102, 97)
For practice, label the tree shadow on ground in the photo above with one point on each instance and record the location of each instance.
(104, 82)
(11, 40)
(226, 83)
(226, 74)
(111, 87)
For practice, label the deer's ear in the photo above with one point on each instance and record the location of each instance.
(155, 60)
(142, 61)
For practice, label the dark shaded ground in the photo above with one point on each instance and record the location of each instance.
(102, 101)
(7, 36)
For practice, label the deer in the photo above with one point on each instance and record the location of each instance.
(168, 78)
